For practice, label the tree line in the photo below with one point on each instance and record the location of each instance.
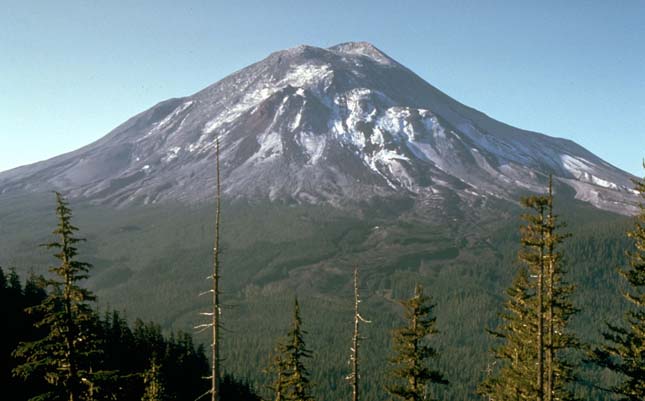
(64, 350)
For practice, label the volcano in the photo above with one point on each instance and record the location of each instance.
(313, 125)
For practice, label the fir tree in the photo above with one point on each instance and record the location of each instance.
(234, 389)
(298, 383)
(532, 361)
(292, 378)
(624, 349)
(278, 369)
(410, 363)
(560, 342)
(64, 356)
(153, 382)
(18, 326)
(515, 360)
(532, 254)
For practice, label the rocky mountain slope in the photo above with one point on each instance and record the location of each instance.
(312, 125)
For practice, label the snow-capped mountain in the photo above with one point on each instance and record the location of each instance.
(322, 125)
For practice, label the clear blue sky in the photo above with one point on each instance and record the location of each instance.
(70, 71)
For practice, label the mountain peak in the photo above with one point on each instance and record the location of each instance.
(362, 48)
(304, 50)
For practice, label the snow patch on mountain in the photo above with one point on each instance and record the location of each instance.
(158, 127)
(307, 75)
(270, 147)
(171, 154)
(229, 115)
(313, 144)
(575, 165)
(296, 121)
(603, 183)
(583, 170)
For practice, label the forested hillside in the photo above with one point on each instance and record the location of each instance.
(464, 311)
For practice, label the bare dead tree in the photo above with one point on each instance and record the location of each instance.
(216, 305)
(549, 243)
(216, 310)
(354, 376)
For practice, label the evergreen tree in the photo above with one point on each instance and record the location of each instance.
(560, 342)
(412, 351)
(292, 378)
(64, 356)
(125, 358)
(624, 348)
(14, 285)
(278, 369)
(33, 292)
(532, 254)
(515, 359)
(18, 326)
(532, 361)
(154, 387)
(234, 389)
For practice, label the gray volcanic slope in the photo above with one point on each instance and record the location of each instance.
(312, 125)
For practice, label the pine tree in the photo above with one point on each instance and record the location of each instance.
(412, 351)
(298, 383)
(154, 388)
(292, 378)
(278, 369)
(560, 342)
(532, 361)
(64, 357)
(515, 360)
(533, 255)
(234, 389)
(17, 326)
(624, 349)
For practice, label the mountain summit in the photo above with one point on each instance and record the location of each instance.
(336, 125)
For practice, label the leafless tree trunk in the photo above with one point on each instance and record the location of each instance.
(540, 314)
(549, 240)
(216, 304)
(215, 312)
(353, 359)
